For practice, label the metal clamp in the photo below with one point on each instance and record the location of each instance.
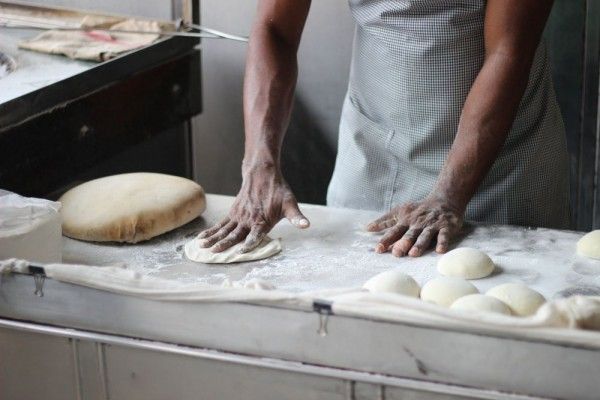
(323, 308)
(39, 277)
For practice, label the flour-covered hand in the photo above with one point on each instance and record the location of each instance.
(411, 228)
(264, 199)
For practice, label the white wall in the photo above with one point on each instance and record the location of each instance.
(323, 72)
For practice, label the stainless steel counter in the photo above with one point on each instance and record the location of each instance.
(113, 346)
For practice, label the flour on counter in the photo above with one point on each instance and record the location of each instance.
(337, 252)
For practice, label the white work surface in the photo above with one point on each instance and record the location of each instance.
(336, 252)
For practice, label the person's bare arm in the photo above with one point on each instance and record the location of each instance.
(512, 32)
(269, 83)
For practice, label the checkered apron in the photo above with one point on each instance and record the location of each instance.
(414, 62)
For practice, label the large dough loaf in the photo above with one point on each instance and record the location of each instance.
(130, 207)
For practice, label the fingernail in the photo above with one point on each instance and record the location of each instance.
(398, 253)
(302, 222)
(380, 248)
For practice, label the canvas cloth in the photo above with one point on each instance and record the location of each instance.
(95, 45)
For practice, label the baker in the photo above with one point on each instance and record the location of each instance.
(450, 114)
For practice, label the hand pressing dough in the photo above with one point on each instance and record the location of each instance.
(130, 207)
(466, 263)
(445, 290)
(267, 248)
(480, 303)
(589, 245)
(521, 300)
(393, 281)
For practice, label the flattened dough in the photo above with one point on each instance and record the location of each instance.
(522, 300)
(393, 281)
(130, 207)
(467, 263)
(444, 290)
(481, 303)
(267, 248)
(589, 245)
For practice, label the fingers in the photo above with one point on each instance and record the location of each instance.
(218, 235)
(256, 235)
(293, 214)
(402, 246)
(422, 242)
(387, 221)
(212, 230)
(236, 236)
(392, 235)
(443, 240)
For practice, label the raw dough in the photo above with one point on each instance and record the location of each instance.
(393, 281)
(466, 263)
(589, 245)
(522, 300)
(445, 290)
(267, 248)
(130, 207)
(480, 303)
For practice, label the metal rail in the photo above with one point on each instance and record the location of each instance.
(262, 362)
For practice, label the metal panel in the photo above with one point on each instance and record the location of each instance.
(408, 394)
(90, 369)
(31, 364)
(573, 35)
(590, 113)
(145, 375)
(357, 385)
(564, 37)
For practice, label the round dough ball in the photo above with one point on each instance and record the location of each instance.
(445, 290)
(466, 263)
(521, 300)
(589, 245)
(130, 207)
(393, 281)
(480, 303)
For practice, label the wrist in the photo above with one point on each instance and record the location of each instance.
(265, 165)
(450, 199)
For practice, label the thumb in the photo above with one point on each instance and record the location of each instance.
(293, 214)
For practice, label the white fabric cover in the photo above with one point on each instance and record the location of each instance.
(572, 316)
